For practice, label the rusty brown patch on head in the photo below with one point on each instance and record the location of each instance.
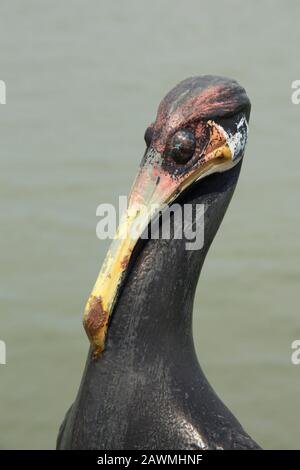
(96, 318)
(124, 262)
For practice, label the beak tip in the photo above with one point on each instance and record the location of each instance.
(95, 323)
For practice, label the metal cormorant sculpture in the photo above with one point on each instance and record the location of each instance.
(142, 387)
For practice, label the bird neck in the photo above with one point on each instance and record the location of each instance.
(152, 321)
(153, 318)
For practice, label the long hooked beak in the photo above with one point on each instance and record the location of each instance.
(153, 188)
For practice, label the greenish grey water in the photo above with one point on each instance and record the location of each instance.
(83, 82)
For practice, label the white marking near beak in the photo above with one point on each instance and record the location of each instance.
(238, 140)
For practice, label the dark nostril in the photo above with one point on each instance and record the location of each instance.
(148, 135)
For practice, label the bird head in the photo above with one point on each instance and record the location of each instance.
(201, 128)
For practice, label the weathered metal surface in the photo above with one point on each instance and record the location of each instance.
(161, 179)
(147, 390)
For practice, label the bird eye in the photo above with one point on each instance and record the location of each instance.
(148, 135)
(181, 146)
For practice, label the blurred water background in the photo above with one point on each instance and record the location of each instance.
(83, 81)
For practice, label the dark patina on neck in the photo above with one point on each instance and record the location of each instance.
(147, 390)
